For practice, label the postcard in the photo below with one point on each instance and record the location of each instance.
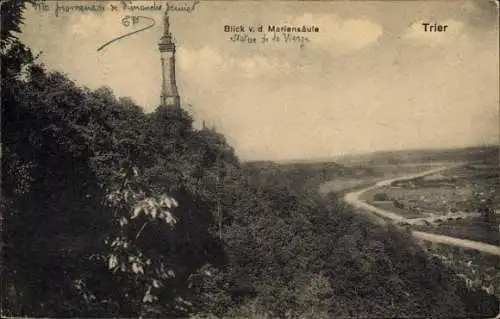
(250, 159)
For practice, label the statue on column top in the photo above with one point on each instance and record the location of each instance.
(166, 24)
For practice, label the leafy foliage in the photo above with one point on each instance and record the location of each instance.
(87, 183)
(110, 212)
(306, 256)
(11, 13)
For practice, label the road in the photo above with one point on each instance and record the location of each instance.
(353, 199)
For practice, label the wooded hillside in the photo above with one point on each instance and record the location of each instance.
(111, 212)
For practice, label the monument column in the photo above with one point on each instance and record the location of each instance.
(169, 93)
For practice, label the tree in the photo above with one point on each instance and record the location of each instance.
(47, 145)
(12, 19)
(381, 197)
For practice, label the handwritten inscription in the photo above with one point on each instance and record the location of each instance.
(62, 7)
(129, 7)
(41, 6)
(237, 37)
(126, 22)
(295, 38)
(182, 7)
(130, 20)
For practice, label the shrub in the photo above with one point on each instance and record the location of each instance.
(380, 197)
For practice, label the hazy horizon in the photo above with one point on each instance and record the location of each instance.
(361, 154)
(370, 80)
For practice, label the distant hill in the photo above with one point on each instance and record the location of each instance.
(481, 153)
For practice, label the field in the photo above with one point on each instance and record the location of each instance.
(432, 199)
(390, 199)
(373, 167)
(467, 193)
(372, 174)
(459, 189)
(345, 184)
(471, 228)
(472, 188)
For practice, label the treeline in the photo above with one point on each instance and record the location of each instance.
(106, 209)
(111, 212)
(306, 177)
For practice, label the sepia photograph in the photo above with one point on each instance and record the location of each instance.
(250, 159)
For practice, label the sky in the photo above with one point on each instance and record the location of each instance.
(371, 79)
